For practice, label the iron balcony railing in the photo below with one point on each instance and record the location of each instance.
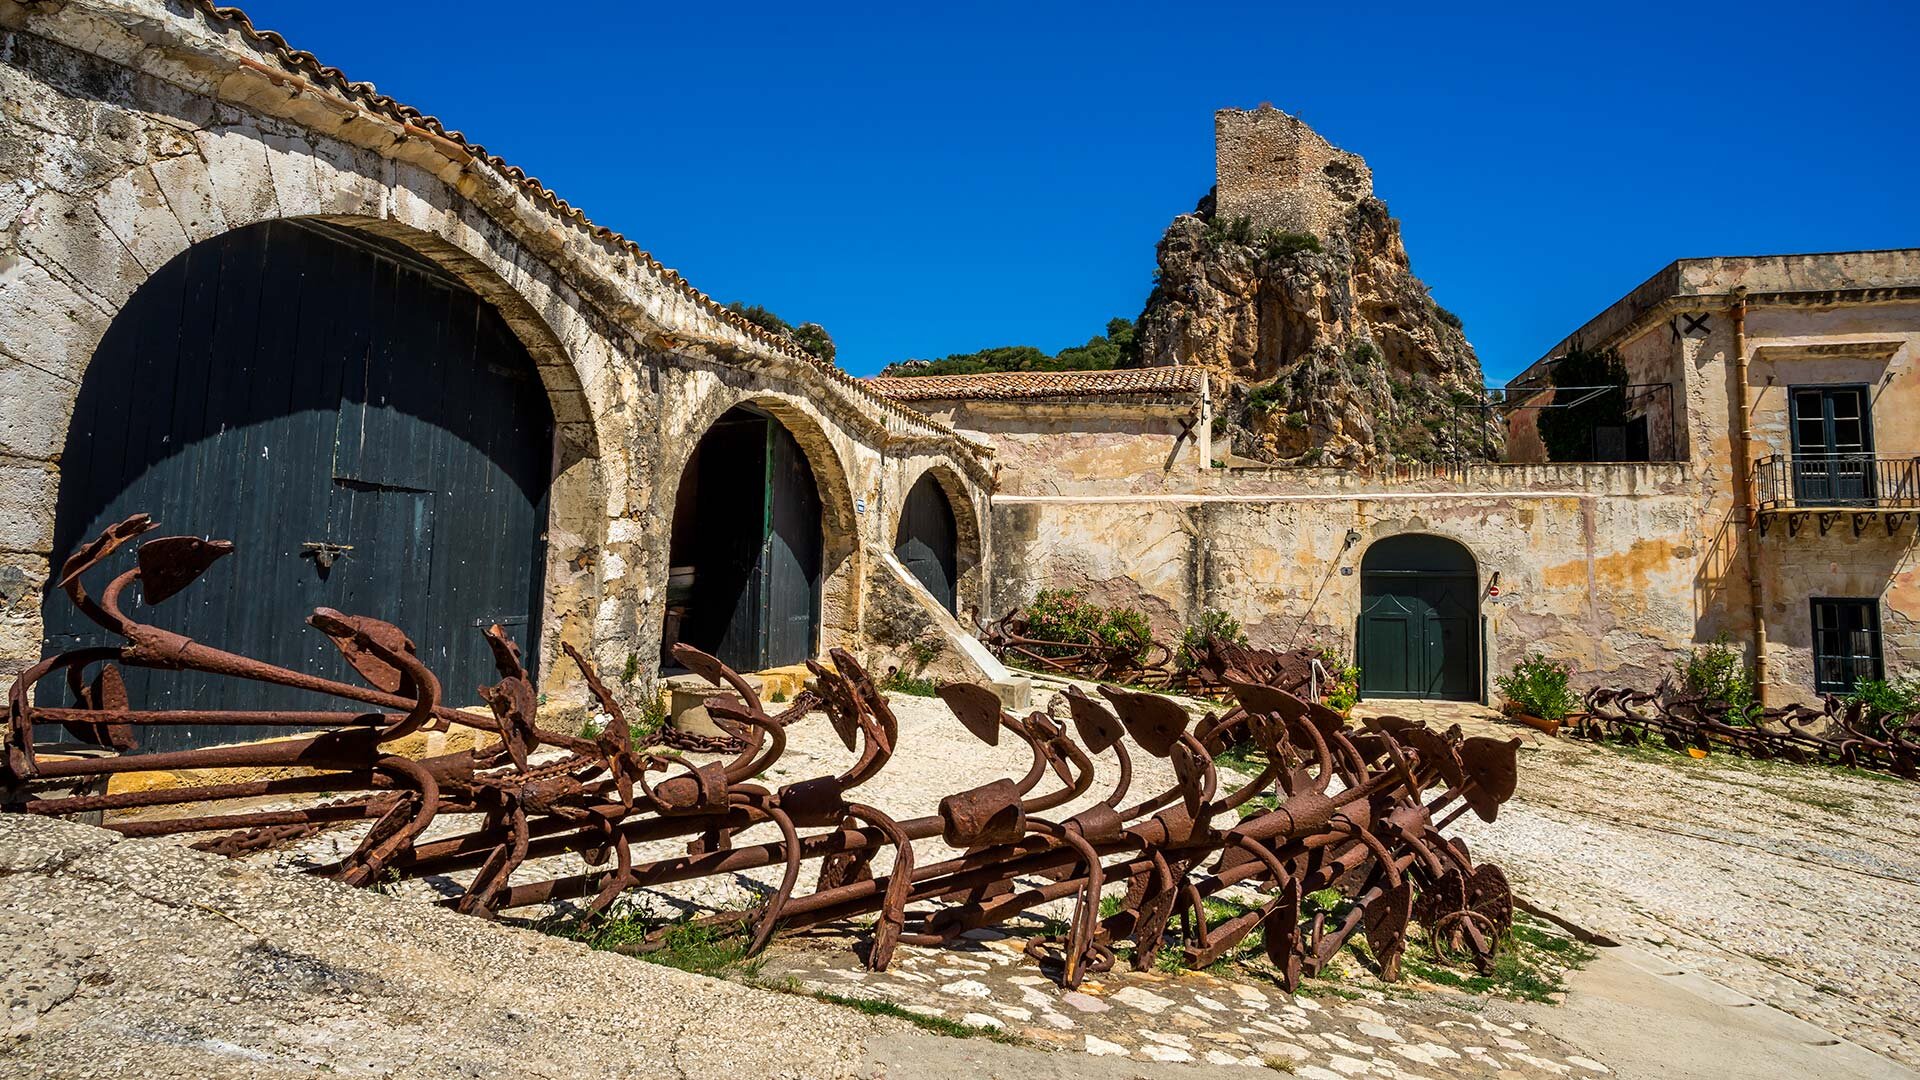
(1838, 481)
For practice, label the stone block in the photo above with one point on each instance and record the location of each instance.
(34, 423)
(189, 193)
(28, 491)
(69, 235)
(687, 702)
(133, 206)
(236, 159)
(46, 324)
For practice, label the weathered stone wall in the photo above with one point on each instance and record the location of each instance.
(1594, 562)
(1051, 448)
(1843, 318)
(1279, 173)
(132, 129)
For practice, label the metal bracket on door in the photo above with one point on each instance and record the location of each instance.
(323, 553)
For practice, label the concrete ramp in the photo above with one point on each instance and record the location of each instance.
(901, 614)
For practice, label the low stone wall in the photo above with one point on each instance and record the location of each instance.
(1594, 564)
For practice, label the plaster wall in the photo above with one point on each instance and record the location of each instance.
(1597, 572)
(1789, 345)
(1052, 448)
(1845, 318)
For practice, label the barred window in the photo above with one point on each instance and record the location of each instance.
(1846, 644)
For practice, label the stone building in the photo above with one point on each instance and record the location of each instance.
(1793, 395)
(1278, 173)
(264, 302)
(1790, 536)
(1760, 488)
(1117, 492)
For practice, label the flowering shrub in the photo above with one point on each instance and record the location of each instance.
(1540, 686)
(1064, 615)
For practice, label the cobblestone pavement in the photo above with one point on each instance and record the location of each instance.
(1192, 1016)
(1797, 885)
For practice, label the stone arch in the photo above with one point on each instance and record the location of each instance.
(969, 537)
(842, 569)
(1418, 631)
(88, 258)
(1397, 547)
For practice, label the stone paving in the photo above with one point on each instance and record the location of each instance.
(1797, 885)
(1325, 1033)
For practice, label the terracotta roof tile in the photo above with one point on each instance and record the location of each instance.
(1026, 385)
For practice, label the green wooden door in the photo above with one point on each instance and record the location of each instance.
(1418, 633)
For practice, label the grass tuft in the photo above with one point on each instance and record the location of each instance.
(939, 1025)
(704, 948)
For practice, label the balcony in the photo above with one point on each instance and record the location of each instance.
(1861, 488)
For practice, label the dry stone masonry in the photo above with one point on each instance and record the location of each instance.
(1290, 280)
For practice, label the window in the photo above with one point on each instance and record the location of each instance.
(1832, 446)
(1846, 644)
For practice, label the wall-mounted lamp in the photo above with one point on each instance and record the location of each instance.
(1353, 537)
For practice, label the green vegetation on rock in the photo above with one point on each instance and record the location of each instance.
(810, 336)
(1102, 352)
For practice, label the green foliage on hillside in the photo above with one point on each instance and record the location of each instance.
(810, 336)
(1568, 432)
(1114, 349)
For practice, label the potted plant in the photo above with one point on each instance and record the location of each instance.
(1539, 693)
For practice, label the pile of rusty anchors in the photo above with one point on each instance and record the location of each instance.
(1210, 668)
(1840, 733)
(1358, 812)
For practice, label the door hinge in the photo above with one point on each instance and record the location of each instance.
(323, 553)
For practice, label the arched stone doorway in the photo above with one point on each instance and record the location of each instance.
(1419, 631)
(365, 428)
(745, 560)
(927, 540)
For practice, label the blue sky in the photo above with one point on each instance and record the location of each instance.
(926, 179)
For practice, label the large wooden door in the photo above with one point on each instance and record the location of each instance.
(1418, 633)
(367, 431)
(747, 531)
(926, 541)
(790, 559)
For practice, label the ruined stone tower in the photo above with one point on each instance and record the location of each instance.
(1278, 173)
(1291, 283)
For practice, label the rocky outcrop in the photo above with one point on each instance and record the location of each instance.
(1333, 351)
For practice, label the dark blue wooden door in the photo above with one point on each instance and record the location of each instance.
(747, 527)
(925, 541)
(790, 560)
(301, 390)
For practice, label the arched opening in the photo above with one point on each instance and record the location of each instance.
(365, 428)
(744, 564)
(1419, 632)
(927, 541)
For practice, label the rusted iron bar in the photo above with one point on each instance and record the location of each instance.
(1358, 811)
(1207, 669)
(1838, 733)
